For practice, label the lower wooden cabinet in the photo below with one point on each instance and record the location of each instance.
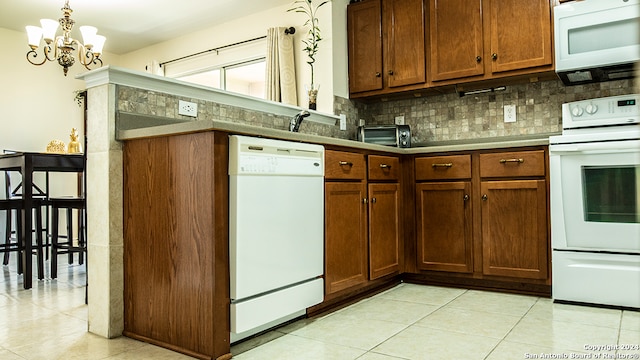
(443, 218)
(487, 220)
(345, 235)
(514, 228)
(384, 229)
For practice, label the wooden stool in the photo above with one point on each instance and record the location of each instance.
(10, 205)
(68, 246)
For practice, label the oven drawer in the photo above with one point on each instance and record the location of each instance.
(512, 164)
(384, 167)
(443, 167)
(344, 165)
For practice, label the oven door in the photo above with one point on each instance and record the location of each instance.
(595, 190)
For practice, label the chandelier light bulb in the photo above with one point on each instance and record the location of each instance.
(34, 35)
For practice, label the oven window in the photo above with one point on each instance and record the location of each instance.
(611, 193)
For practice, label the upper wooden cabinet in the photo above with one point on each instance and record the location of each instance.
(386, 44)
(473, 40)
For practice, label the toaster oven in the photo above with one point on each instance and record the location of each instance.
(388, 135)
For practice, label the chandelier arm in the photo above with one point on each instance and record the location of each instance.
(34, 54)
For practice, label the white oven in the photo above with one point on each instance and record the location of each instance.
(595, 197)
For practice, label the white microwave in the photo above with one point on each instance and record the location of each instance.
(596, 40)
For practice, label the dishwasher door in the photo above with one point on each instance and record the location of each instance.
(276, 230)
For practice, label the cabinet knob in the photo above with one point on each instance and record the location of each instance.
(378, 74)
(466, 197)
(345, 163)
(390, 72)
(484, 197)
(385, 166)
(364, 201)
(494, 56)
(478, 59)
(373, 200)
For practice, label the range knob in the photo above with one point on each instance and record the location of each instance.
(591, 109)
(403, 134)
(577, 111)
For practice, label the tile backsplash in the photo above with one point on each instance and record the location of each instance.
(451, 117)
(444, 117)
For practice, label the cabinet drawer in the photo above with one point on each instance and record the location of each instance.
(512, 164)
(344, 165)
(384, 167)
(443, 167)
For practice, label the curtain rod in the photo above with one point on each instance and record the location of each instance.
(289, 31)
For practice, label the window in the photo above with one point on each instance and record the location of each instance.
(244, 78)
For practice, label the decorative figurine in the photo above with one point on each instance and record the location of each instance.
(74, 144)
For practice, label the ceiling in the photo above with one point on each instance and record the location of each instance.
(133, 24)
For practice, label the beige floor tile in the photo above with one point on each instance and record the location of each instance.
(254, 342)
(402, 312)
(431, 295)
(546, 309)
(375, 356)
(344, 330)
(494, 302)
(509, 351)
(8, 355)
(470, 322)
(420, 343)
(148, 352)
(629, 343)
(630, 320)
(559, 334)
(291, 347)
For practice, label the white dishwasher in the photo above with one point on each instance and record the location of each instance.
(276, 231)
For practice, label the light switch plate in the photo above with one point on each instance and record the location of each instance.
(399, 120)
(509, 113)
(343, 122)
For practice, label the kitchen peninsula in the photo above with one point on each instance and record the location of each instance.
(157, 206)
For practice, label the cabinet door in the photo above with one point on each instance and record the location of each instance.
(384, 229)
(455, 31)
(444, 226)
(364, 27)
(404, 38)
(345, 235)
(520, 34)
(514, 228)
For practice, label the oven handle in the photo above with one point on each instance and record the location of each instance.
(611, 147)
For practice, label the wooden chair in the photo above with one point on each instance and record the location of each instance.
(15, 205)
(68, 246)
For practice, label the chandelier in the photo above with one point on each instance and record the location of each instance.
(61, 47)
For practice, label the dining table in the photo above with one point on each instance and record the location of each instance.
(28, 163)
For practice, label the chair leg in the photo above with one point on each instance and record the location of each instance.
(54, 243)
(81, 239)
(19, 240)
(70, 233)
(39, 252)
(7, 237)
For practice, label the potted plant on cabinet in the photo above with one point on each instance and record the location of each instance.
(311, 42)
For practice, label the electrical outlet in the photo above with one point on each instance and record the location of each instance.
(399, 120)
(361, 122)
(343, 122)
(187, 108)
(509, 113)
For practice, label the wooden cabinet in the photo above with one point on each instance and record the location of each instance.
(484, 214)
(386, 44)
(493, 38)
(443, 213)
(384, 216)
(362, 221)
(346, 242)
(514, 215)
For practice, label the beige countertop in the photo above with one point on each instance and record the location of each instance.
(242, 129)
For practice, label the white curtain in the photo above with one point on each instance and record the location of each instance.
(153, 67)
(280, 83)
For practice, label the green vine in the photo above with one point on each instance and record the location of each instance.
(311, 42)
